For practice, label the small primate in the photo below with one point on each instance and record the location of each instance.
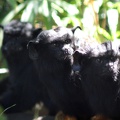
(25, 88)
(99, 70)
(53, 51)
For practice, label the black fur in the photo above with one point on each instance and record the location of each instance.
(52, 50)
(99, 71)
(4, 85)
(25, 89)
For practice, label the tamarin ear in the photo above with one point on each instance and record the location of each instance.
(33, 53)
(36, 32)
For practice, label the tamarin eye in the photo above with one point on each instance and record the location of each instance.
(67, 41)
(98, 60)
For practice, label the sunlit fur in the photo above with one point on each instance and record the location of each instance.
(99, 72)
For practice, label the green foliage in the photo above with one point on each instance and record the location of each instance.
(11, 15)
(2, 116)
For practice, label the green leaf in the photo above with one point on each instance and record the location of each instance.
(43, 8)
(57, 18)
(13, 3)
(113, 13)
(2, 116)
(118, 34)
(104, 33)
(70, 8)
(75, 21)
(50, 14)
(1, 37)
(46, 10)
(12, 13)
(66, 21)
(28, 13)
(58, 8)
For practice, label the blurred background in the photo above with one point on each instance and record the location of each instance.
(99, 18)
